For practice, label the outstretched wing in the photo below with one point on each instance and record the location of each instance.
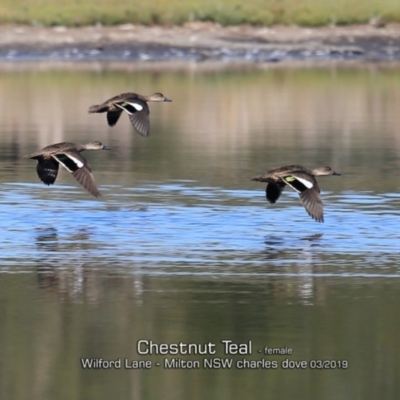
(273, 191)
(313, 204)
(308, 189)
(47, 170)
(113, 117)
(86, 179)
(75, 163)
(138, 112)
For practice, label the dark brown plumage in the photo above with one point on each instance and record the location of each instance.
(135, 105)
(69, 156)
(300, 179)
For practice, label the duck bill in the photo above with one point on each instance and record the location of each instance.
(167, 99)
(336, 173)
(106, 148)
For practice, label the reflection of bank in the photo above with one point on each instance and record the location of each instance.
(46, 240)
(72, 267)
(297, 258)
(58, 267)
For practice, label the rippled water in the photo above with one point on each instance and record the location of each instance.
(183, 247)
(197, 230)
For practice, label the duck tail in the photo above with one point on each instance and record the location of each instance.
(98, 108)
(258, 178)
(32, 155)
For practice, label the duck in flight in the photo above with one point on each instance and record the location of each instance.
(301, 180)
(135, 105)
(69, 156)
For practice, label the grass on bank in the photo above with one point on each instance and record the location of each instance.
(225, 12)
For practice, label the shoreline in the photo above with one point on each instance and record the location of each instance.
(199, 42)
(185, 66)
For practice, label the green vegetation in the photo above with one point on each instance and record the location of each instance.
(225, 12)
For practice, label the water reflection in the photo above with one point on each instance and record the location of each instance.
(58, 267)
(343, 118)
(300, 257)
(181, 233)
(46, 241)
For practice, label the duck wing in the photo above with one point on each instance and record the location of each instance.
(313, 204)
(47, 170)
(77, 165)
(113, 117)
(85, 177)
(300, 182)
(307, 187)
(141, 123)
(273, 191)
(138, 112)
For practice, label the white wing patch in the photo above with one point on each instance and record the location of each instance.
(78, 163)
(136, 106)
(305, 182)
(295, 182)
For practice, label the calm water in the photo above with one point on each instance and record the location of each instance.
(183, 247)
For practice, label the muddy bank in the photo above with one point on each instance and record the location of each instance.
(199, 42)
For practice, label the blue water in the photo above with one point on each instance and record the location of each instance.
(190, 229)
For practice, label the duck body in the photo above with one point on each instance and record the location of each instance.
(69, 156)
(135, 105)
(301, 180)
